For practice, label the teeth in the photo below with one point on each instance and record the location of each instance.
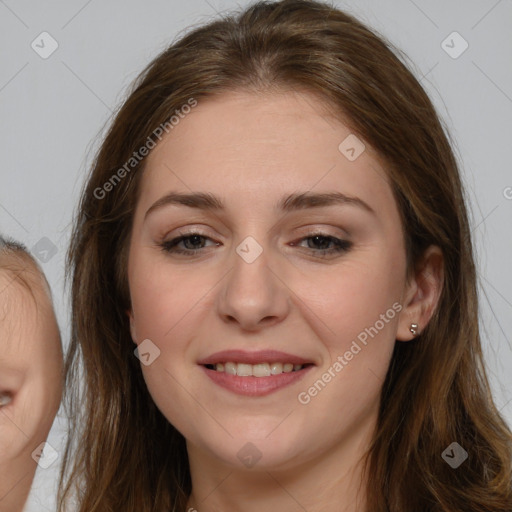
(276, 368)
(228, 368)
(244, 370)
(261, 370)
(257, 370)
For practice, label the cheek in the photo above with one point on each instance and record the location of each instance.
(165, 305)
(362, 294)
(361, 311)
(362, 314)
(163, 301)
(26, 422)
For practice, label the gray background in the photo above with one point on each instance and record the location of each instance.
(53, 112)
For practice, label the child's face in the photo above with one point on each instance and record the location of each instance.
(255, 281)
(30, 380)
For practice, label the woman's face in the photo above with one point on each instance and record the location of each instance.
(254, 280)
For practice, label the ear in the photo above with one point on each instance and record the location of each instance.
(422, 293)
(132, 326)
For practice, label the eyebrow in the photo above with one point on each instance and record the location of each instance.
(292, 202)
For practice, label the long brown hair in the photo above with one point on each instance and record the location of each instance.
(123, 454)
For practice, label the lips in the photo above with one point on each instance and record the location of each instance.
(254, 373)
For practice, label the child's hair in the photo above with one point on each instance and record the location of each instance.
(126, 455)
(21, 267)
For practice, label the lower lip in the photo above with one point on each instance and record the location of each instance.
(255, 386)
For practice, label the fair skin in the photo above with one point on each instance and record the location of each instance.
(251, 151)
(30, 382)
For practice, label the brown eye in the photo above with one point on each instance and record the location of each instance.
(193, 239)
(5, 399)
(337, 245)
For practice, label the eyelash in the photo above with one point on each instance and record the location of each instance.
(341, 246)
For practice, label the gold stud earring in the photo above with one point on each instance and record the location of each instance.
(414, 329)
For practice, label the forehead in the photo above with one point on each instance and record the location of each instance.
(23, 311)
(257, 147)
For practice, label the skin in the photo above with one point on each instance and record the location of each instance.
(30, 382)
(251, 150)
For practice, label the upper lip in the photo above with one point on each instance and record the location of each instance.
(261, 356)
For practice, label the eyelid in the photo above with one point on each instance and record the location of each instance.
(307, 228)
(185, 231)
(324, 229)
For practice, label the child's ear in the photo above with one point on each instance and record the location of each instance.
(422, 294)
(132, 326)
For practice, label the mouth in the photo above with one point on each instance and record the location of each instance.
(254, 373)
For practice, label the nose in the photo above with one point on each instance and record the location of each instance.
(253, 295)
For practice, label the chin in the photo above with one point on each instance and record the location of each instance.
(283, 449)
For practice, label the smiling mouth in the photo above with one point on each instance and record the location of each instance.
(256, 370)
